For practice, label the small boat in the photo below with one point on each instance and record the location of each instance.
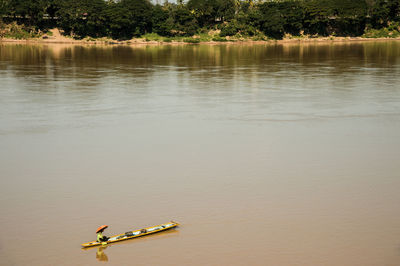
(134, 234)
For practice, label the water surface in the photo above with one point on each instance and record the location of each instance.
(266, 154)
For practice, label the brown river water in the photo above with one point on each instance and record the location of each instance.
(266, 154)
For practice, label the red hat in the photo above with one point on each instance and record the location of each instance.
(101, 228)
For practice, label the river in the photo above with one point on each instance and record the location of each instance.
(269, 154)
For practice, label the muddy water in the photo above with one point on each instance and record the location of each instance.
(266, 154)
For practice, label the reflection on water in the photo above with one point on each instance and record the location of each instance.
(282, 82)
(100, 255)
(266, 154)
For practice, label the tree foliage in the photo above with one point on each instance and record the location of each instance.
(83, 18)
(129, 18)
(208, 12)
(32, 11)
(124, 19)
(384, 11)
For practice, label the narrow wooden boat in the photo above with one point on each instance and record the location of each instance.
(134, 234)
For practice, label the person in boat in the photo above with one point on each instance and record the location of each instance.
(99, 231)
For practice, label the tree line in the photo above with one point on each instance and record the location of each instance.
(124, 19)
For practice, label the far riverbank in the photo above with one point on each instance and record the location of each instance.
(144, 42)
(57, 38)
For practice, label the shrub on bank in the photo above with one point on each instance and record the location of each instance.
(16, 31)
(2, 29)
(392, 31)
(151, 37)
(219, 39)
(191, 40)
(204, 37)
(259, 37)
(235, 27)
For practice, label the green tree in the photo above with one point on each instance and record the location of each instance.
(224, 9)
(349, 17)
(181, 21)
(28, 11)
(293, 15)
(383, 11)
(129, 18)
(208, 12)
(394, 14)
(317, 13)
(4, 7)
(245, 21)
(271, 21)
(81, 17)
(160, 22)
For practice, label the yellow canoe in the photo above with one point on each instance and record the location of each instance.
(134, 234)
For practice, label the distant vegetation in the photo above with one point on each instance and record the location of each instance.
(193, 20)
